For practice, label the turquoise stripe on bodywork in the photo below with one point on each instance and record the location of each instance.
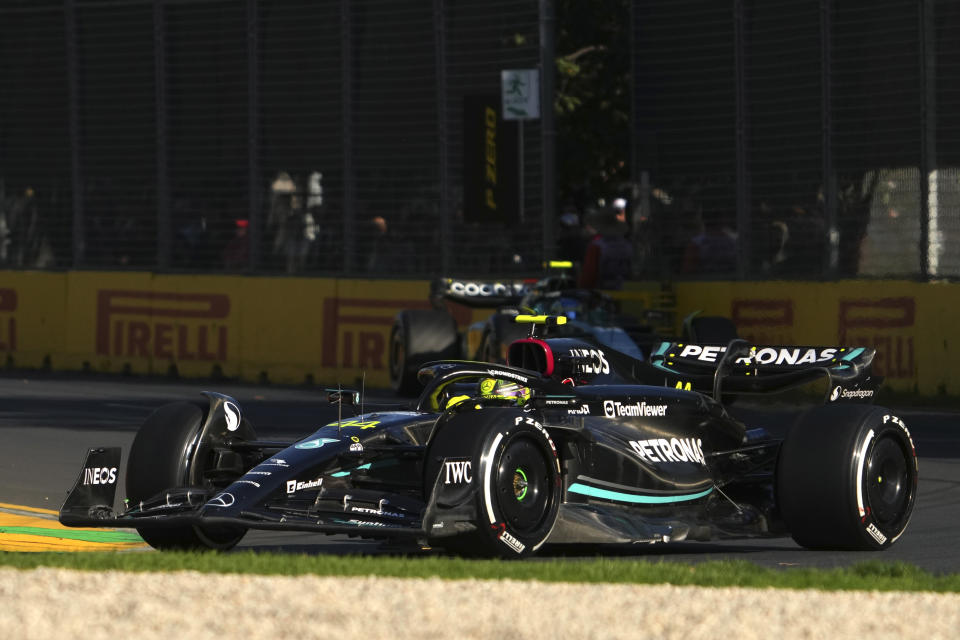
(659, 365)
(662, 349)
(340, 474)
(850, 356)
(606, 494)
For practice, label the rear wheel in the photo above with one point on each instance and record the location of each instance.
(489, 349)
(847, 478)
(419, 336)
(708, 329)
(500, 333)
(165, 454)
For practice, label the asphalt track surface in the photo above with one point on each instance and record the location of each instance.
(48, 422)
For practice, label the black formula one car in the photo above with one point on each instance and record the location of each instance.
(570, 442)
(419, 336)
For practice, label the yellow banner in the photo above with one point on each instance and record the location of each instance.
(33, 319)
(288, 330)
(885, 315)
(328, 331)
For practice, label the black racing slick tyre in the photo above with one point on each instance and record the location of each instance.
(501, 331)
(419, 336)
(167, 453)
(847, 478)
(709, 329)
(516, 476)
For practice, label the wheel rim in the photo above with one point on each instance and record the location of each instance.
(889, 481)
(520, 484)
(523, 486)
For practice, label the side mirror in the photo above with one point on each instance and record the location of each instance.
(343, 396)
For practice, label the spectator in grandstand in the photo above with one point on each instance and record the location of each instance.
(192, 238)
(23, 234)
(314, 191)
(236, 253)
(608, 258)
(714, 248)
(620, 209)
(326, 251)
(805, 242)
(376, 233)
(571, 240)
(769, 236)
(293, 227)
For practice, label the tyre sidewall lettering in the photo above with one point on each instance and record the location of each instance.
(873, 433)
(490, 511)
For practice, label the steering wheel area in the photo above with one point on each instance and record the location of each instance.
(449, 385)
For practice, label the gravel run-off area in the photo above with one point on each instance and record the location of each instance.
(51, 604)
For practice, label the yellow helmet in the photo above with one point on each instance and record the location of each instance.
(504, 390)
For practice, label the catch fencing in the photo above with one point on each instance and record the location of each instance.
(768, 140)
(288, 136)
(822, 135)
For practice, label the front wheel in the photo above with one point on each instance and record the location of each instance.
(517, 478)
(847, 478)
(519, 493)
(167, 453)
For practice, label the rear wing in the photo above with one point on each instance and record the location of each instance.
(481, 293)
(740, 367)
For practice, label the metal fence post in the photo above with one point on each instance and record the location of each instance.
(78, 242)
(443, 170)
(548, 26)
(742, 171)
(160, 91)
(254, 179)
(346, 102)
(829, 182)
(929, 169)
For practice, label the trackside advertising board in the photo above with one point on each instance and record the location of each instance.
(291, 330)
(285, 330)
(913, 326)
(33, 318)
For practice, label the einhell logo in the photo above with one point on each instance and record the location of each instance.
(8, 324)
(887, 325)
(149, 324)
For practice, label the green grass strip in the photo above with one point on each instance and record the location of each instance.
(870, 575)
(72, 534)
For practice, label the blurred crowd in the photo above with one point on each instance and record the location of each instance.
(686, 231)
(690, 232)
(24, 239)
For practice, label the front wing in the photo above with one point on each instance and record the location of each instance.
(317, 509)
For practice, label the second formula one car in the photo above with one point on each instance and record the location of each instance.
(419, 336)
(567, 443)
